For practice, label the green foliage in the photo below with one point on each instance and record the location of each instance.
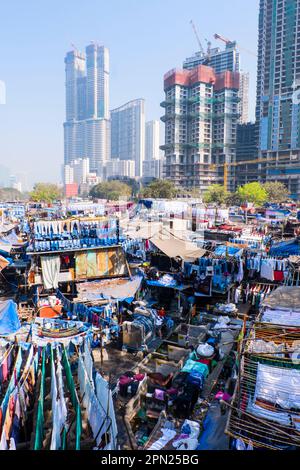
(111, 190)
(277, 192)
(253, 192)
(157, 189)
(233, 199)
(45, 192)
(216, 193)
(10, 194)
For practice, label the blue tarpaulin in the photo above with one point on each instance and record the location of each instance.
(286, 248)
(9, 319)
(172, 285)
(223, 250)
(146, 202)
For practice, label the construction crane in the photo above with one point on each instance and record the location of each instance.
(197, 37)
(228, 41)
(226, 166)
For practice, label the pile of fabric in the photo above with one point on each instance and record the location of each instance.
(187, 439)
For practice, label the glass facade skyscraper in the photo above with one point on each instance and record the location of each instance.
(278, 92)
(128, 133)
(87, 126)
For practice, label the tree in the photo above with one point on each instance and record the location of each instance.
(45, 192)
(111, 190)
(11, 194)
(253, 192)
(216, 193)
(157, 189)
(233, 199)
(277, 192)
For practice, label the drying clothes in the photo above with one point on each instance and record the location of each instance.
(59, 408)
(277, 416)
(237, 295)
(281, 317)
(278, 276)
(186, 444)
(3, 442)
(104, 396)
(12, 382)
(191, 365)
(192, 428)
(267, 270)
(240, 274)
(7, 426)
(278, 386)
(12, 444)
(15, 430)
(50, 270)
(240, 445)
(99, 417)
(168, 435)
(88, 361)
(4, 369)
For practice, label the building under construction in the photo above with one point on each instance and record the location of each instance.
(222, 60)
(201, 114)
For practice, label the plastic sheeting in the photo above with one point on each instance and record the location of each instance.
(284, 297)
(119, 289)
(174, 247)
(3, 262)
(9, 320)
(223, 250)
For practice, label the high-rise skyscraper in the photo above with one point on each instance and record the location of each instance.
(97, 78)
(152, 164)
(128, 133)
(222, 60)
(152, 140)
(246, 150)
(201, 112)
(243, 107)
(87, 126)
(278, 92)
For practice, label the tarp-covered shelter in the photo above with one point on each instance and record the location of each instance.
(282, 307)
(6, 228)
(117, 289)
(223, 250)
(3, 262)
(5, 246)
(284, 297)
(174, 247)
(9, 319)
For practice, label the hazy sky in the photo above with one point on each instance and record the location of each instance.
(146, 38)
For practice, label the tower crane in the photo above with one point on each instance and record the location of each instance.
(228, 41)
(197, 37)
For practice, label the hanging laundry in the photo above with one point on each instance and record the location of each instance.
(50, 271)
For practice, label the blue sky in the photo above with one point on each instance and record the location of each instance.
(146, 38)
